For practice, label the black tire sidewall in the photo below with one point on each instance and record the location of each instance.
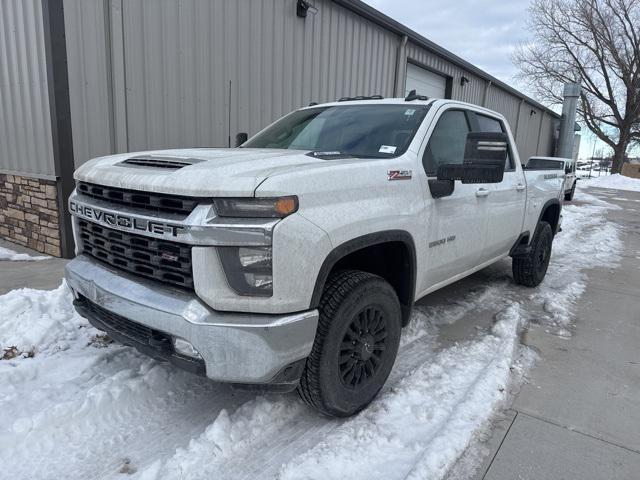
(338, 398)
(544, 232)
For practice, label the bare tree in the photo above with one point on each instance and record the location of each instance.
(595, 43)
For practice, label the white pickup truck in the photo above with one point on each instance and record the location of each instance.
(294, 260)
(568, 165)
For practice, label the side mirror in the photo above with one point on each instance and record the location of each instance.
(485, 156)
(241, 138)
(567, 170)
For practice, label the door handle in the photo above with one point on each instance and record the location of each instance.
(483, 192)
(520, 187)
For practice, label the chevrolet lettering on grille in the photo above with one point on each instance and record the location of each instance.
(124, 221)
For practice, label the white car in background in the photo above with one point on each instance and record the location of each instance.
(553, 163)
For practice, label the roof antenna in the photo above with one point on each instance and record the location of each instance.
(414, 96)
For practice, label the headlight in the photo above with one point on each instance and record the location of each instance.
(276, 207)
(249, 270)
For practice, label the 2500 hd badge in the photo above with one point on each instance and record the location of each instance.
(123, 221)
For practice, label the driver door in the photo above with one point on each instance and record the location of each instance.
(456, 225)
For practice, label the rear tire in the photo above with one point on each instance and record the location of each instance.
(355, 346)
(569, 196)
(531, 269)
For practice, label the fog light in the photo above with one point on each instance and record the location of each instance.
(181, 346)
(249, 270)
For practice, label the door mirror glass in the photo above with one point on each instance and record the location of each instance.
(568, 169)
(484, 159)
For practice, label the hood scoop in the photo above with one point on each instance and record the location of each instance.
(155, 161)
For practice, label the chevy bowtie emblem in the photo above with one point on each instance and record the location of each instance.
(399, 175)
(169, 256)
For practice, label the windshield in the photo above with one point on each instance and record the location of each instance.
(379, 131)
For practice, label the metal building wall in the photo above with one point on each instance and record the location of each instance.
(25, 123)
(547, 139)
(160, 73)
(472, 92)
(165, 73)
(501, 101)
(185, 61)
(88, 56)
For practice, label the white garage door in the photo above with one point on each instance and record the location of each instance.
(425, 82)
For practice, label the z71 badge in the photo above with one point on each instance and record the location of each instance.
(399, 175)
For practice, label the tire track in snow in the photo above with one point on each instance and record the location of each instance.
(78, 413)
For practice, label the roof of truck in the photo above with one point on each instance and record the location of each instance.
(408, 103)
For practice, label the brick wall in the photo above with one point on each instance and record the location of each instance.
(631, 170)
(29, 213)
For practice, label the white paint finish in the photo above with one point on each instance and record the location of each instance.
(340, 200)
(506, 205)
(294, 271)
(25, 122)
(424, 82)
(223, 172)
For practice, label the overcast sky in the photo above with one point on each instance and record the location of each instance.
(484, 33)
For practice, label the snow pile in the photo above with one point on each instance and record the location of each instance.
(421, 427)
(34, 321)
(615, 181)
(6, 254)
(79, 411)
(229, 435)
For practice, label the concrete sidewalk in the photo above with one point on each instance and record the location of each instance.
(579, 415)
(42, 274)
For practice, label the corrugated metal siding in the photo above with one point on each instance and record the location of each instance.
(88, 47)
(528, 132)
(472, 92)
(181, 56)
(25, 124)
(505, 103)
(155, 73)
(548, 135)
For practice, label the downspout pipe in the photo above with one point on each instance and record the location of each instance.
(401, 67)
(568, 120)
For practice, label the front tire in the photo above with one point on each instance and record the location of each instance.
(355, 346)
(531, 269)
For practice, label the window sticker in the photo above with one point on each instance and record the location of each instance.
(409, 111)
(387, 149)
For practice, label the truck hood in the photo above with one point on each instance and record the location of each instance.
(209, 171)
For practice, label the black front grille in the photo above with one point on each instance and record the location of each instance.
(157, 202)
(132, 330)
(167, 262)
(149, 341)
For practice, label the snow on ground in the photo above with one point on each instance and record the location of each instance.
(73, 405)
(616, 182)
(6, 254)
(39, 321)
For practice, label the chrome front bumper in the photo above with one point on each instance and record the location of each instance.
(235, 347)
